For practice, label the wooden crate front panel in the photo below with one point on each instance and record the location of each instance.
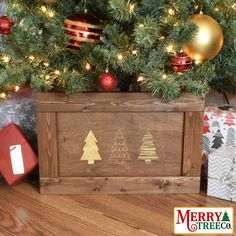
(165, 128)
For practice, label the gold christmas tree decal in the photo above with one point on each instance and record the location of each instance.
(119, 149)
(91, 149)
(148, 149)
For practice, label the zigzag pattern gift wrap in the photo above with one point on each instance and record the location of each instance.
(222, 173)
(219, 129)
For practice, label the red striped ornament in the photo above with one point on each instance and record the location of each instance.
(82, 28)
(181, 62)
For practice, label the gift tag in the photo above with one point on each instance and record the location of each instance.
(17, 160)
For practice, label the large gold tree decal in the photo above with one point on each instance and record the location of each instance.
(91, 149)
(148, 149)
(119, 151)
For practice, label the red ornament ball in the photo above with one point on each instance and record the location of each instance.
(82, 28)
(181, 62)
(108, 81)
(5, 25)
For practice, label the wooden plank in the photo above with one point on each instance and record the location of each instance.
(25, 212)
(115, 102)
(119, 185)
(192, 144)
(166, 129)
(47, 144)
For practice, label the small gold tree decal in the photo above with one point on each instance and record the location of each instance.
(148, 149)
(91, 149)
(119, 151)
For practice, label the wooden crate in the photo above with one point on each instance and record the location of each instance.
(119, 143)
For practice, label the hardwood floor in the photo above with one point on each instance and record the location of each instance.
(23, 211)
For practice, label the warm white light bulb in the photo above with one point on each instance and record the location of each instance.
(31, 58)
(17, 88)
(51, 14)
(164, 76)
(57, 72)
(6, 59)
(131, 8)
(120, 57)
(43, 9)
(140, 79)
(2, 95)
(197, 59)
(234, 6)
(171, 12)
(88, 66)
(169, 48)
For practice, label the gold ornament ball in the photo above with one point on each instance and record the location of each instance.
(209, 38)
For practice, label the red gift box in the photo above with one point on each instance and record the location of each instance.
(17, 159)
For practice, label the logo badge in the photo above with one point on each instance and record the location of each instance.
(189, 220)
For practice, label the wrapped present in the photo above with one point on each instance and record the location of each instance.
(17, 158)
(222, 173)
(20, 109)
(219, 128)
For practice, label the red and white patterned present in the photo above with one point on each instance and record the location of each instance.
(219, 129)
(219, 141)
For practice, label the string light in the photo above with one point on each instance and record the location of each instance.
(196, 7)
(216, 9)
(171, 12)
(88, 66)
(162, 38)
(234, 6)
(6, 59)
(197, 59)
(43, 8)
(164, 76)
(46, 64)
(17, 88)
(131, 8)
(31, 57)
(141, 25)
(120, 57)
(47, 77)
(197, 62)
(169, 48)
(135, 52)
(140, 79)
(51, 14)
(15, 5)
(176, 24)
(2, 95)
(57, 72)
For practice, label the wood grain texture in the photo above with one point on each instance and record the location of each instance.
(119, 185)
(166, 129)
(65, 124)
(115, 102)
(24, 212)
(192, 144)
(47, 143)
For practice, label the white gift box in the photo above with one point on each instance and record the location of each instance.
(222, 173)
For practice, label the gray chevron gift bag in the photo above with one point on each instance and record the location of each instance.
(222, 173)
